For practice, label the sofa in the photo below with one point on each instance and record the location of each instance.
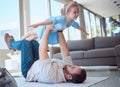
(92, 52)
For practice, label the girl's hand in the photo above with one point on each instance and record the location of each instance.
(86, 33)
(83, 30)
(34, 25)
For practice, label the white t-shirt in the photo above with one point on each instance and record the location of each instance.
(48, 71)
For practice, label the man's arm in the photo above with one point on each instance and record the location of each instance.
(44, 43)
(63, 45)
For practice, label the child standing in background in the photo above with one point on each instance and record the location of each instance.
(69, 14)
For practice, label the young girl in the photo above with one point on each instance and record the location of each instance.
(69, 14)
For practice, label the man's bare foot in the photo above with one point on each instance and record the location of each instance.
(7, 39)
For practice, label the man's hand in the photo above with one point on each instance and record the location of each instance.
(50, 27)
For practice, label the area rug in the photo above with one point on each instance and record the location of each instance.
(89, 82)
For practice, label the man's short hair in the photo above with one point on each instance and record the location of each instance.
(79, 78)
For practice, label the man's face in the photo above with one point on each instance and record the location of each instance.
(72, 69)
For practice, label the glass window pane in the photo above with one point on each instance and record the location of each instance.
(93, 26)
(56, 7)
(9, 20)
(87, 22)
(113, 25)
(74, 34)
(92, 23)
(98, 28)
(38, 10)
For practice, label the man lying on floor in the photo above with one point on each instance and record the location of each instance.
(40, 68)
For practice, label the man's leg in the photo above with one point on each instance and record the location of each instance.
(35, 49)
(27, 52)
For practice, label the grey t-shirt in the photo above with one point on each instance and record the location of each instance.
(48, 71)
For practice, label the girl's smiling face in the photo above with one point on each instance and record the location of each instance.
(73, 13)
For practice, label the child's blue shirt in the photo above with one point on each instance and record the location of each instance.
(59, 22)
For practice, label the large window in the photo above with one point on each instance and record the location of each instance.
(113, 25)
(38, 10)
(9, 20)
(87, 22)
(98, 26)
(72, 33)
(56, 7)
(92, 23)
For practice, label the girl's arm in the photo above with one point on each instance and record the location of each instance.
(40, 24)
(83, 30)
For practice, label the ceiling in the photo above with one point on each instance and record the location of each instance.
(104, 8)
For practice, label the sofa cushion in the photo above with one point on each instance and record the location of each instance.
(99, 53)
(85, 44)
(74, 54)
(107, 42)
(77, 54)
(117, 50)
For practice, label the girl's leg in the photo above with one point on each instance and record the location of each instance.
(26, 35)
(26, 54)
(31, 35)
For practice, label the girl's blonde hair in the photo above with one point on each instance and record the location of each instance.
(68, 6)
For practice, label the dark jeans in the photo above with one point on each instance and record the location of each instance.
(29, 53)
